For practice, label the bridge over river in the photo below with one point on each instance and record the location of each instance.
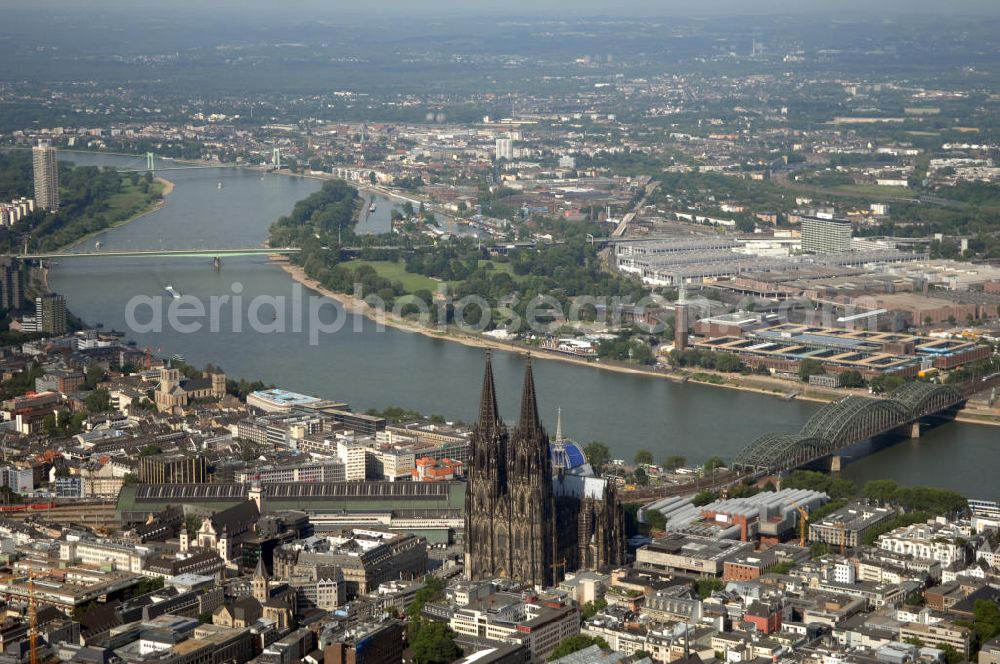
(844, 423)
(833, 429)
(164, 253)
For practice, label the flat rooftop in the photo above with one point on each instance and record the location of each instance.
(284, 398)
(692, 546)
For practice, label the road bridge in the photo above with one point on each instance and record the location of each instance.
(841, 424)
(164, 253)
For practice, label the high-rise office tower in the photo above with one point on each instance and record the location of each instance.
(50, 313)
(46, 169)
(825, 234)
(11, 283)
(505, 149)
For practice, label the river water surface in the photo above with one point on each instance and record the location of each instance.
(369, 368)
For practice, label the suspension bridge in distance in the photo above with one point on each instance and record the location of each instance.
(154, 163)
(182, 165)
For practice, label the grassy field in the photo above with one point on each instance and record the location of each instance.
(397, 271)
(414, 282)
(504, 267)
(130, 201)
(862, 191)
(872, 190)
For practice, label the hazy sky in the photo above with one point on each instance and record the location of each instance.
(550, 7)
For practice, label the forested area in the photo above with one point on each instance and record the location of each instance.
(324, 221)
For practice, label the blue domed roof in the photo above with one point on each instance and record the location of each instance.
(567, 454)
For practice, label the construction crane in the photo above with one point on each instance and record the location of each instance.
(32, 618)
(32, 608)
(803, 521)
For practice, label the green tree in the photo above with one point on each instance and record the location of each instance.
(591, 609)
(433, 589)
(674, 461)
(884, 383)
(704, 497)
(816, 481)
(655, 520)
(986, 620)
(713, 463)
(571, 644)
(94, 376)
(881, 491)
(810, 367)
(433, 643)
(728, 363)
(852, 378)
(644, 457)
(708, 586)
(98, 401)
(782, 568)
(598, 454)
(951, 654)
(641, 478)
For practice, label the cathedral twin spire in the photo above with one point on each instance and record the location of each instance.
(489, 413)
(529, 404)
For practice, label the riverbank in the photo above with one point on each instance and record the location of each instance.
(167, 188)
(763, 385)
(356, 306)
(38, 277)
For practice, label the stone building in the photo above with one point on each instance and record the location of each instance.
(522, 520)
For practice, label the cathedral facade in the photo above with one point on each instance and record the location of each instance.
(523, 520)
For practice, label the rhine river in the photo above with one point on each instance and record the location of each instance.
(371, 368)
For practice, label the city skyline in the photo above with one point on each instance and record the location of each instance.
(451, 333)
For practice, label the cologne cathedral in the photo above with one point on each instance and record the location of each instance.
(526, 517)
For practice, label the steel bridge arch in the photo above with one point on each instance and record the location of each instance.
(924, 398)
(779, 451)
(844, 422)
(855, 418)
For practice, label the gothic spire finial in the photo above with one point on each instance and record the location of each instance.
(489, 414)
(559, 433)
(530, 420)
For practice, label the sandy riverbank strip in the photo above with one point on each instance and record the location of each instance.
(168, 186)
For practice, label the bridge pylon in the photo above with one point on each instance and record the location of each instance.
(150, 159)
(276, 158)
